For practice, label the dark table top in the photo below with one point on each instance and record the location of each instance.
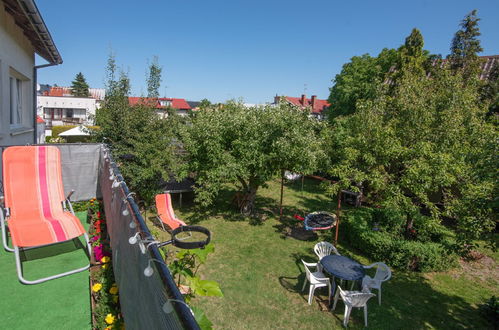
(343, 267)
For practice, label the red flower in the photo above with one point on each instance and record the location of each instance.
(98, 215)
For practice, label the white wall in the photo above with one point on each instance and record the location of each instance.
(16, 58)
(68, 102)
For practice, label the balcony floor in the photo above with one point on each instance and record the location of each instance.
(62, 303)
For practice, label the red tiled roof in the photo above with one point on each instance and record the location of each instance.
(39, 120)
(179, 104)
(319, 105)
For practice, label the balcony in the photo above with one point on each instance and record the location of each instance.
(65, 302)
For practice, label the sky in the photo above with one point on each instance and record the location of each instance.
(252, 50)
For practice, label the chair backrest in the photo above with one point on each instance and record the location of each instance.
(323, 249)
(165, 211)
(32, 181)
(308, 273)
(383, 273)
(356, 298)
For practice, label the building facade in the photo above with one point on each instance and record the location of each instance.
(22, 34)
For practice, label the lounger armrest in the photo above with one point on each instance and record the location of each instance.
(69, 195)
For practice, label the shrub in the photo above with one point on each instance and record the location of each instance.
(389, 246)
(56, 130)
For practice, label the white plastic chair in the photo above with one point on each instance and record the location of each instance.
(316, 279)
(353, 299)
(383, 274)
(323, 249)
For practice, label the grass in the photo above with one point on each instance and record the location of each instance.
(259, 269)
(63, 303)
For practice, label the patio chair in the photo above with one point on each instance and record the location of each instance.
(353, 299)
(316, 279)
(166, 216)
(36, 212)
(323, 249)
(383, 274)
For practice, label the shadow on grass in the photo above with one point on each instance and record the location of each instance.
(409, 301)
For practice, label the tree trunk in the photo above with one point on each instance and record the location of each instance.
(245, 199)
(409, 231)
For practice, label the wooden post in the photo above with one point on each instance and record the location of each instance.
(338, 213)
(282, 193)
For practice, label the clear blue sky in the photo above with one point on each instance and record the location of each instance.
(251, 49)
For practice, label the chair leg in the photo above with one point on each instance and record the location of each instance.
(351, 287)
(304, 284)
(379, 295)
(311, 294)
(336, 296)
(365, 315)
(348, 310)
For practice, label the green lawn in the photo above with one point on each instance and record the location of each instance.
(258, 267)
(62, 303)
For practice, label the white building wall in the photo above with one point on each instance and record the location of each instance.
(85, 107)
(16, 60)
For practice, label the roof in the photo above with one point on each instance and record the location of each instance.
(319, 105)
(28, 17)
(39, 120)
(194, 104)
(95, 93)
(179, 104)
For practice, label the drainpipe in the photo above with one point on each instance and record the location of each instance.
(35, 81)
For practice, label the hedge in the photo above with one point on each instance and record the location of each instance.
(391, 248)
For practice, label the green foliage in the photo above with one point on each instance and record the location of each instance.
(248, 146)
(153, 78)
(422, 144)
(141, 142)
(359, 80)
(205, 103)
(79, 86)
(466, 46)
(387, 244)
(203, 321)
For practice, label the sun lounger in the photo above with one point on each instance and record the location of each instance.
(36, 212)
(165, 212)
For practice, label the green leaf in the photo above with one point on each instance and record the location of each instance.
(204, 287)
(203, 322)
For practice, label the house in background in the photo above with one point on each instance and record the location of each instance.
(40, 130)
(57, 106)
(162, 104)
(316, 106)
(22, 34)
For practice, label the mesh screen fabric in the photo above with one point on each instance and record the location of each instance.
(142, 298)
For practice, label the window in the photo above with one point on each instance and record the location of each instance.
(16, 101)
(165, 103)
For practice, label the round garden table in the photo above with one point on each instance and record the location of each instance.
(342, 267)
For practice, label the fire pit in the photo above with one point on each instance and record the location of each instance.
(320, 220)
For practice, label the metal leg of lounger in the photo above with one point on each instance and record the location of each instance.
(25, 281)
(161, 222)
(4, 233)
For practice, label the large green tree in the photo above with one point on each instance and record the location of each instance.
(249, 146)
(153, 78)
(79, 86)
(142, 143)
(466, 46)
(358, 80)
(419, 144)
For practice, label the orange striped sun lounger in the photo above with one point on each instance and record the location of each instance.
(165, 212)
(36, 212)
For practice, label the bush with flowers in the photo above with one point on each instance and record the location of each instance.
(105, 294)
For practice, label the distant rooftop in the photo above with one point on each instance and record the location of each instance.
(160, 102)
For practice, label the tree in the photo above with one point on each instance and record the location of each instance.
(154, 78)
(359, 80)
(249, 146)
(205, 103)
(417, 139)
(79, 86)
(466, 46)
(141, 142)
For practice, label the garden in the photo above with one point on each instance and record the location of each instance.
(412, 135)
